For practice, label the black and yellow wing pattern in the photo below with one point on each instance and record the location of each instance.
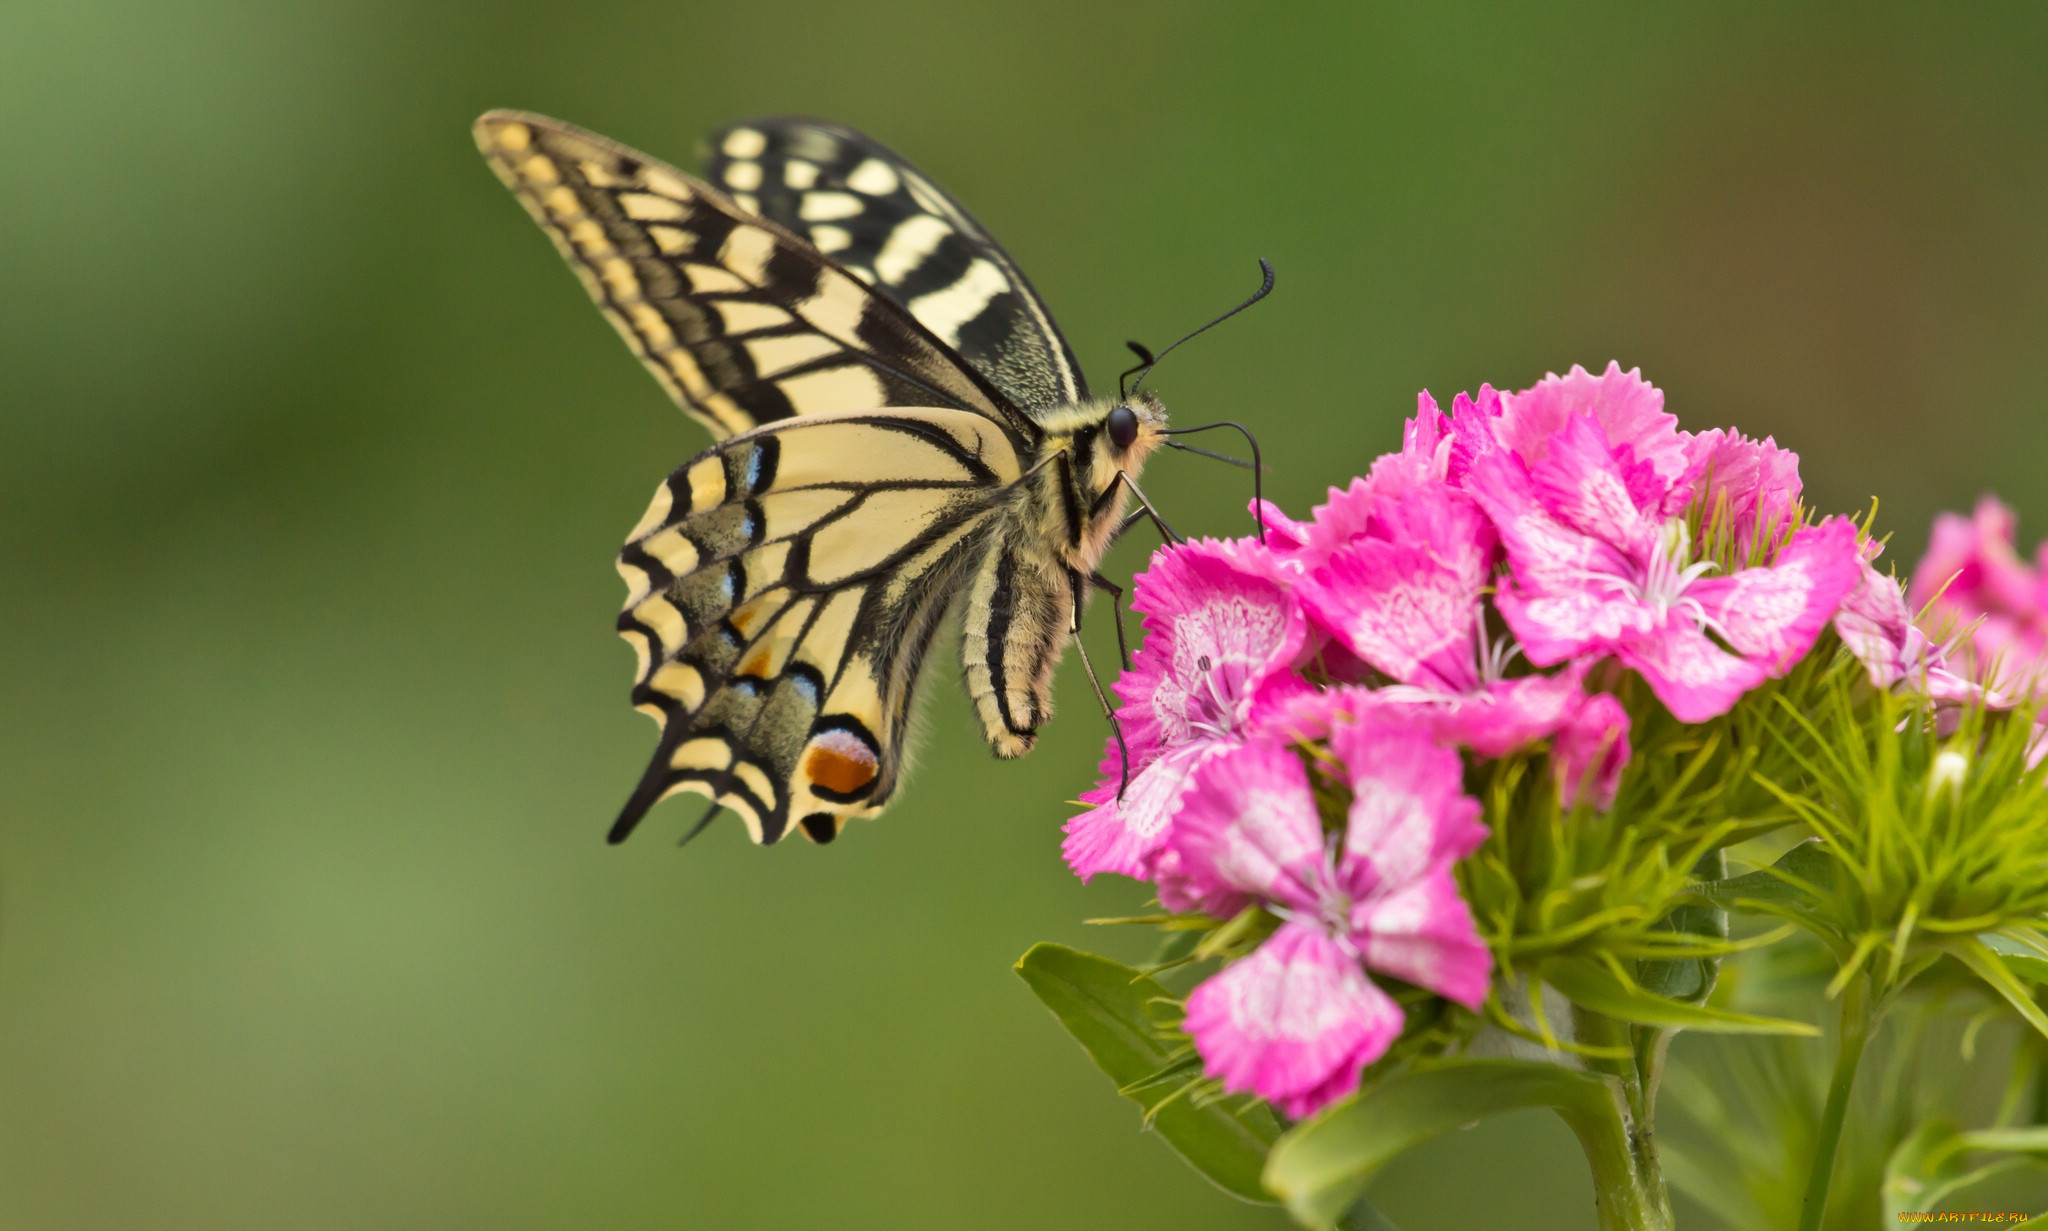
(901, 430)
(785, 587)
(886, 224)
(740, 321)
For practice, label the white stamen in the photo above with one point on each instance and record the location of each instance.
(1664, 581)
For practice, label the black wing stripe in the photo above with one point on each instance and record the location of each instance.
(711, 297)
(881, 219)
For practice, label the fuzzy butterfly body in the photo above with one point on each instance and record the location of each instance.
(901, 431)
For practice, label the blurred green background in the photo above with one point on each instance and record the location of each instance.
(313, 460)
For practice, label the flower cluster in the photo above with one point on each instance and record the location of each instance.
(1972, 588)
(1302, 713)
(1971, 630)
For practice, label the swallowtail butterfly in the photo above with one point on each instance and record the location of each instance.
(901, 431)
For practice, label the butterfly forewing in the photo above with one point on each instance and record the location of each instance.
(784, 588)
(740, 321)
(886, 223)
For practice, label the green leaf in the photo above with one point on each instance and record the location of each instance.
(1104, 1005)
(1993, 968)
(1593, 986)
(1795, 879)
(1927, 1168)
(1320, 1167)
(2031, 1140)
(1690, 980)
(2022, 959)
(1363, 1216)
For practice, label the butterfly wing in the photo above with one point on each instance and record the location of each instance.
(742, 322)
(883, 221)
(784, 588)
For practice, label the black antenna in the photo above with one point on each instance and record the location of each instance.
(1257, 465)
(1151, 361)
(1145, 360)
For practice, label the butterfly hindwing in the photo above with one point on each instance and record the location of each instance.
(740, 321)
(882, 220)
(784, 588)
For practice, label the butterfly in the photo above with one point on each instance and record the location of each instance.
(901, 431)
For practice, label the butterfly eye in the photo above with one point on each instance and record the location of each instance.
(1123, 426)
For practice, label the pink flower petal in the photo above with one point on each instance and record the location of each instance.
(1694, 678)
(1973, 582)
(1294, 1022)
(1122, 836)
(1876, 626)
(1422, 932)
(1972, 563)
(1511, 714)
(1427, 437)
(1284, 535)
(1313, 715)
(1561, 625)
(1562, 599)
(1629, 409)
(1409, 810)
(1249, 824)
(1590, 752)
(1753, 484)
(1331, 524)
(1193, 892)
(1582, 484)
(1772, 615)
(1400, 609)
(1475, 432)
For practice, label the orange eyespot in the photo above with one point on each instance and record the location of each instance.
(841, 764)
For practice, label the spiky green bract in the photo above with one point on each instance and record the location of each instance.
(1743, 1115)
(1618, 891)
(1935, 832)
(1932, 839)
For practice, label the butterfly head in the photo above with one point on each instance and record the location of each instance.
(1124, 434)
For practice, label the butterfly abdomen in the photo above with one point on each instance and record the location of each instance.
(1014, 627)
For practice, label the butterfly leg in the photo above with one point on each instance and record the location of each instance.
(1145, 503)
(1108, 711)
(1116, 607)
(1124, 525)
(1144, 509)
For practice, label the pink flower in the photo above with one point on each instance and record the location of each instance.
(1629, 410)
(1877, 627)
(1750, 486)
(1590, 752)
(1972, 582)
(1591, 511)
(1396, 570)
(1221, 636)
(1298, 1019)
(1348, 513)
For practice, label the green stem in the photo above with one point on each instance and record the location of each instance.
(1628, 1178)
(1857, 1020)
(1628, 1186)
(1363, 1217)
